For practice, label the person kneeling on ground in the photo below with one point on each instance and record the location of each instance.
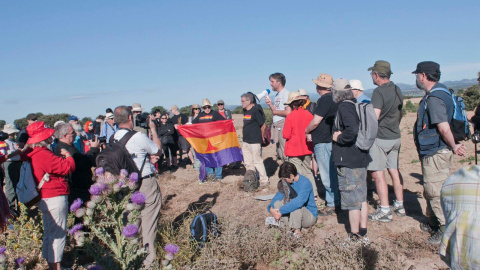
(294, 204)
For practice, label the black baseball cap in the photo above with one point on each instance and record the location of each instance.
(32, 117)
(427, 67)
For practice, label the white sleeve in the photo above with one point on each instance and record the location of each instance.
(148, 144)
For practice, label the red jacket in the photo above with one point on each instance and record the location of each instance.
(294, 132)
(44, 161)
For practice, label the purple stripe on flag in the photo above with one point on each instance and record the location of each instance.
(221, 158)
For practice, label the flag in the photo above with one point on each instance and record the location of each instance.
(215, 143)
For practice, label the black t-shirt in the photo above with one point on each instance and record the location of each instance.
(206, 118)
(180, 119)
(253, 120)
(327, 109)
(23, 136)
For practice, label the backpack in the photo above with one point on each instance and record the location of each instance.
(202, 225)
(459, 125)
(117, 157)
(27, 189)
(250, 181)
(368, 124)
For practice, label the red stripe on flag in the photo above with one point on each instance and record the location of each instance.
(206, 130)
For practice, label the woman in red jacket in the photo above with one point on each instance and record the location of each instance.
(54, 193)
(297, 149)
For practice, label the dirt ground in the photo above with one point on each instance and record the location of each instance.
(181, 191)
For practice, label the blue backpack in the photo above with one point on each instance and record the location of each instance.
(202, 225)
(459, 125)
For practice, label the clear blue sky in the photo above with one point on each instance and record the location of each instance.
(80, 57)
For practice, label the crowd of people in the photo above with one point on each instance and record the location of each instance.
(314, 141)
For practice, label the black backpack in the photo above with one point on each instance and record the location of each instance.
(202, 225)
(116, 156)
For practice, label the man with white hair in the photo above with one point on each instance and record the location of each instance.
(357, 90)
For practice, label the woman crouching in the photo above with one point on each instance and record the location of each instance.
(351, 162)
(294, 204)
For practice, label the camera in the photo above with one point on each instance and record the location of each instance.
(141, 120)
(102, 140)
(109, 110)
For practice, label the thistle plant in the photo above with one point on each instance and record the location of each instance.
(4, 261)
(113, 217)
(171, 250)
(26, 234)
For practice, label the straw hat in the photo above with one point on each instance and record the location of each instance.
(292, 96)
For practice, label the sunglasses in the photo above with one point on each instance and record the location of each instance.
(207, 107)
(220, 104)
(163, 118)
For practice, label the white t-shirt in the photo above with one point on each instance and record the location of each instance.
(139, 146)
(279, 104)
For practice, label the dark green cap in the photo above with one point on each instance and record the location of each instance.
(382, 66)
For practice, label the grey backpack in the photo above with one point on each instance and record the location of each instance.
(368, 125)
(250, 181)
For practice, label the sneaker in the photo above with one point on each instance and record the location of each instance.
(426, 227)
(355, 239)
(435, 238)
(327, 211)
(398, 210)
(379, 215)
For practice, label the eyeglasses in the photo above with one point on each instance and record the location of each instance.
(196, 108)
(207, 107)
(163, 118)
(220, 104)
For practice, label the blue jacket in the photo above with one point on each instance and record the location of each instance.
(305, 197)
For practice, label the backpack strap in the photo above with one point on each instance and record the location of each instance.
(123, 141)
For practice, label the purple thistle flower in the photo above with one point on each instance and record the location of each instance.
(2, 250)
(171, 248)
(120, 183)
(130, 231)
(76, 204)
(138, 197)
(19, 261)
(123, 173)
(101, 186)
(95, 190)
(134, 177)
(75, 228)
(99, 171)
(107, 190)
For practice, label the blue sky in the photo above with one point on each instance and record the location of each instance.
(80, 57)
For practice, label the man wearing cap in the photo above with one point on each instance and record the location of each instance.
(11, 167)
(23, 135)
(140, 146)
(387, 101)
(435, 143)
(309, 105)
(279, 111)
(357, 90)
(109, 128)
(227, 114)
(137, 110)
(179, 119)
(319, 131)
(208, 115)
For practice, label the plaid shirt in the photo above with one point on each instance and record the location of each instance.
(460, 246)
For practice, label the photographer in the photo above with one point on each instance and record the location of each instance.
(140, 122)
(139, 146)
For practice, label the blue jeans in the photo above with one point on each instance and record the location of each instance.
(218, 172)
(328, 173)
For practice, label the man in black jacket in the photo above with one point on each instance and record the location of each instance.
(81, 179)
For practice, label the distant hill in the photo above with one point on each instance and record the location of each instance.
(407, 90)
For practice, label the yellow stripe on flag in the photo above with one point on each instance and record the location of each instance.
(214, 144)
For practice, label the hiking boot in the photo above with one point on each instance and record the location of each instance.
(426, 227)
(327, 211)
(399, 210)
(355, 239)
(435, 238)
(379, 215)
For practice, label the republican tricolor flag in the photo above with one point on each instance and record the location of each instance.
(215, 143)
